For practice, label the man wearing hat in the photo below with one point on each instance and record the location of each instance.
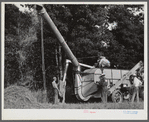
(103, 62)
(102, 85)
(136, 83)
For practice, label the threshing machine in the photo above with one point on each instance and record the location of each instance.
(84, 86)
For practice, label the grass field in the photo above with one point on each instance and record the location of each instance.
(125, 105)
(16, 97)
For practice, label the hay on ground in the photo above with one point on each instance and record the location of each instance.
(18, 97)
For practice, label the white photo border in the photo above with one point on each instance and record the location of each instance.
(75, 114)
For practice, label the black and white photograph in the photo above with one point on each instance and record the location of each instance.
(74, 60)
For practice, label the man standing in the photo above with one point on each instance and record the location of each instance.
(104, 92)
(102, 84)
(136, 84)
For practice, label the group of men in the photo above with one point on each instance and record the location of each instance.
(102, 62)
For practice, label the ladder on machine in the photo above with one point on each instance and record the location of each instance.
(132, 71)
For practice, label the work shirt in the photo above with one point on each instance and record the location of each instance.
(104, 63)
(137, 82)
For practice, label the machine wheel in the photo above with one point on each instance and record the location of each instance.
(117, 96)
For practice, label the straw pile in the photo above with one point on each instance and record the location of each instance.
(18, 97)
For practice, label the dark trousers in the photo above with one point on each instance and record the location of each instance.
(104, 92)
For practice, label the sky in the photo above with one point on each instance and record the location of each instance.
(21, 8)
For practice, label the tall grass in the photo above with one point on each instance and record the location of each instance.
(40, 96)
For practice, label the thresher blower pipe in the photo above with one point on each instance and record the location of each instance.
(64, 45)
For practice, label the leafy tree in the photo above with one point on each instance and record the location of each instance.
(128, 47)
(20, 33)
(77, 24)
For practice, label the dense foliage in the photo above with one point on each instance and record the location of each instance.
(85, 29)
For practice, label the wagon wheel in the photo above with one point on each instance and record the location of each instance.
(117, 96)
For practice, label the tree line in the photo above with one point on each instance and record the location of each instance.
(86, 29)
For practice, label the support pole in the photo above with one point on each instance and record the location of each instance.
(60, 62)
(42, 50)
(56, 99)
